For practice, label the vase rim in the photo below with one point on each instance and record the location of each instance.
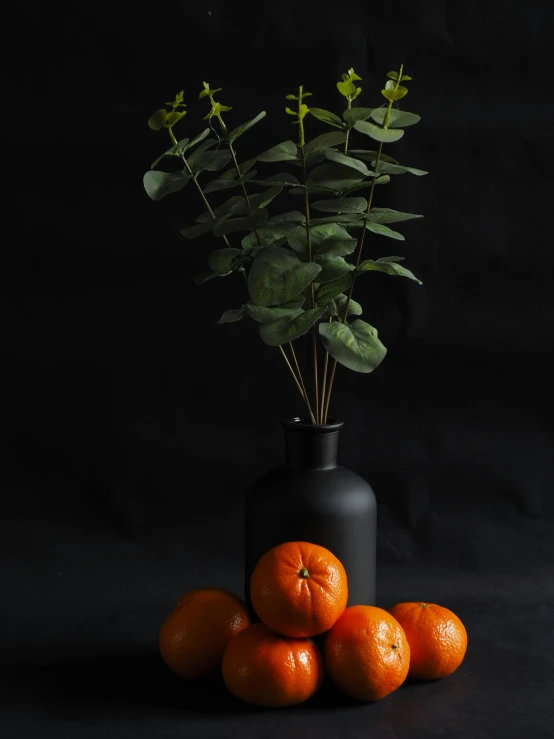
(304, 424)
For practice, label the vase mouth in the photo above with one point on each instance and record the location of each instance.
(304, 424)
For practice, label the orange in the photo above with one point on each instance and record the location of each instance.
(366, 653)
(265, 669)
(196, 632)
(299, 589)
(437, 639)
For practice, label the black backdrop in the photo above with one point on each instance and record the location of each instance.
(134, 424)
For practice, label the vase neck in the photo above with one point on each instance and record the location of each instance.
(311, 447)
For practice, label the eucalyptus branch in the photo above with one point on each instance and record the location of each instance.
(302, 393)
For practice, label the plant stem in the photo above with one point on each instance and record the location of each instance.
(301, 379)
(312, 295)
(323, 396)
(304, 397)
(201, 193)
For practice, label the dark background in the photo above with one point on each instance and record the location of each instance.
(134, 424)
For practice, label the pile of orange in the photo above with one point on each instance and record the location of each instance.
(300, 590)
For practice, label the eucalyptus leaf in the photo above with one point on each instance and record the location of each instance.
(370, 156)
(231, 316)
(277, 276)
(332, 267)
(260, 200)
(351, 115)
(326, 140)
(284, 179)
(388, 267)
(387, 168)
(294, 216)
(397, 118)
(251, 222)
(385, 179)
(205, 277)
(227, 184)
(337, 218)
(229, 207)
(327, 117)
(319, 236)
(265, 315)
(275, 234)
(289, 328)
(210, 160)
(198, 229)
(347, 161)
(198, 139)
(354, 345)
(221, 260)
(202, 147)
(239, 130)
(284, 151)
(379, 228)
(337, 246)
(385, 135)
(337, 306)
(341, 205)
(333, 176)
(159, 184)
(330, 290)
(387, 215)
(175, 151)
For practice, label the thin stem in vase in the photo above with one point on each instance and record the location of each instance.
(302, 393)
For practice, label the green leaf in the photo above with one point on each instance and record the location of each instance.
(284, 151)
(341, 205)
(205, 277)
(327, 292)
(277, 276)
(251, 222)
(351, 115)
(382, 180)
(388, 267)
(197, 153)
(327, 117)
(386, 135)
(284, 179)
(326, 140)
(175, 151)
(354, 345)
(346, 88)
(293, 216)
(198, 229)
(159, 184)
(397, 118)
(396, 93)
(387, 168)
(265, 315)
(337, 218)
(386, 215)
(332, 267)
(221, 260)
(333, 176)
(227, 184)
(378, 228)
(290, 327)
(337, 306)
(347, 161)
(392, 75)
(211, 160)
(198, 139)
(231, 316)
(338, 246)
(269, 235)
(319, 236)
(260, 200)
(239, 130)
(370, 156)
(158, 120)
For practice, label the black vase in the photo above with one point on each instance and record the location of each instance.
(313, 499)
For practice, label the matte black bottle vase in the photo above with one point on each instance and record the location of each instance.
(312, 498)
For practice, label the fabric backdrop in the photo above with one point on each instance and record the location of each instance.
(133, 423)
